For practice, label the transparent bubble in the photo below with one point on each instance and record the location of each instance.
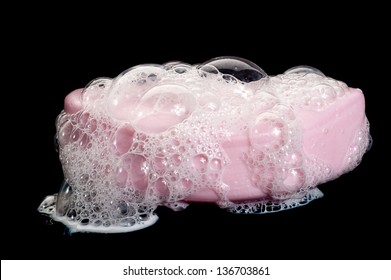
(127, 222)
(95, 91)
(63, 198)
(141, 71)
(83, 179)
(240, 68)
(326, 92)
(128, 88)
(370, 143)
(186, 183)
(64, 133)
(123, 139)
(123, 209)
(71, 214)
(215, 164)
(303, 70)
(138, 171)
(121, 176)
(200, 163)
(178, 66)
(48, 205)
(161, 186)
(163, 107)
(55, 143)
(268, 132)
(176, 159)
(295, 179)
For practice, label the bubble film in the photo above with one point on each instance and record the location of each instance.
(222, 131)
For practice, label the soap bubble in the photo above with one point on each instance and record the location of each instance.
(239, 68)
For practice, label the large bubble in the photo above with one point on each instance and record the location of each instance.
(222, 131)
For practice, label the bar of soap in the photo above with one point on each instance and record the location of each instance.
(222, 131)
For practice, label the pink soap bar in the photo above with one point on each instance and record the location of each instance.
(222, 131)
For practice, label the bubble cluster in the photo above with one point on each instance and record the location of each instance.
(156, 135)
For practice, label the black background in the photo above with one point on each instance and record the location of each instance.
(55, 54)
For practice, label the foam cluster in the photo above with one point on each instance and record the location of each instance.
(156, 135)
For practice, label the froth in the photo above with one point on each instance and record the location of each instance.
(156, 135)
